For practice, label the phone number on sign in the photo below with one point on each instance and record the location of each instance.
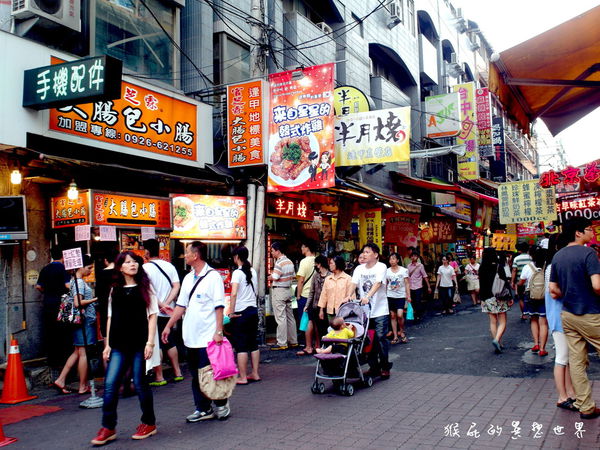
(160, 145)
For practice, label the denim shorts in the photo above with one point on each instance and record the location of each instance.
(534, 307)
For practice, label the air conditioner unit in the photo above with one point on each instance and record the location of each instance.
(450, 175)
(395, 15)
(453, 58)
(324, 28)
(62, 12)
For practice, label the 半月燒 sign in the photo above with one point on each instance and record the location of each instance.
(290, 208)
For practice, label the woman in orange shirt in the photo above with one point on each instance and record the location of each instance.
(335, 288)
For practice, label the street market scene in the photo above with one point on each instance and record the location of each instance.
(305, 224)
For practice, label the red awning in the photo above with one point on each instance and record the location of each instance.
(442, 187)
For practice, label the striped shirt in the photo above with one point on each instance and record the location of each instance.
(283, 272)
(519, 262)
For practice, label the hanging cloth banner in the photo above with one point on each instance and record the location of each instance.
(369, 227)
(301, 151)
(373, 137)
(402, 229)
(468, 164)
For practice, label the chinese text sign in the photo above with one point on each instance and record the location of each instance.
(130, 211)
(369, 227)
(301, 150)
(483, 105)
(68, 213)
(246, 124)
(526, 201)
(290, 208)
(468, 165)
(373, 137)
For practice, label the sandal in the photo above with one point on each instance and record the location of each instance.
(305, 352)
(62, 390)
(404, 340)
(395, 341)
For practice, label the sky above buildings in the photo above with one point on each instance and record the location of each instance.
(511, 22)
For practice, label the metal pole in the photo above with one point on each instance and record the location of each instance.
(250, 220)
(259, 259)
(257, 56)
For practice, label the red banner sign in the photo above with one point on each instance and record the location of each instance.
(571, 175)
(68, 213)
(301, 134)
(131, 211)
(443, 230)
(402, 229)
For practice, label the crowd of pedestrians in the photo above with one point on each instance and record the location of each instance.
(141, 307)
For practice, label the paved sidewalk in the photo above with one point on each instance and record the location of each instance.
(411, 410)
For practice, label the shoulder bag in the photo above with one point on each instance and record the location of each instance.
(67, 311)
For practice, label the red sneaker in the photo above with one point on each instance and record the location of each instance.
(143, 431)
(103, 436)
(535, 349)
(543, 353)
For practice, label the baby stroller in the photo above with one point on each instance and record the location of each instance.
(344, 362)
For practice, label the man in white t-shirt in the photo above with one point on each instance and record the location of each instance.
(202, 298)
(165, 282)
(370, 278)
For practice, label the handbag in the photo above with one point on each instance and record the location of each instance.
(500, 287)
(215, 389)
(410, 313)
(68, 313)
(221, 359)
(304, 321)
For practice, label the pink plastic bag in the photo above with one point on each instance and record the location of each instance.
(221, 359)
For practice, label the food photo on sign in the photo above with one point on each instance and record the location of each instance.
(301, 152)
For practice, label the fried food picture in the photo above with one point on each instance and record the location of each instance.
(183, 212)
(290, 157)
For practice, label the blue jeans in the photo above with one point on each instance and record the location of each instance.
(378, 357)
(117, 366)
(197, 359)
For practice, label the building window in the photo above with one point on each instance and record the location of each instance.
(231, 59)
(126, 30)
(411, 17)
(360, 28)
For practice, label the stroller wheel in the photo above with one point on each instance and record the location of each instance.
(349, 390)
(314, 388)
(321, 388)
(368, 381)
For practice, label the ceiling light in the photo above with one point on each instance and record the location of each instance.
(15, 177)
(355, 193)
(72, 193)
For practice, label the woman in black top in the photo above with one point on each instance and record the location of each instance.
(495, 308)
(130, 340)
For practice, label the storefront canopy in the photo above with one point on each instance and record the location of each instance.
(554, 76)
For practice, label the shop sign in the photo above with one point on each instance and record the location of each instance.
(456, 207)
(596, 228)
(498, 163)
(246, 123)
(483, 216)
(141, 119)
(301, 146)
(349, 100)
(587, 206)
(530, 228)
(373, 137)
(483, 105)
(72, 258)
(68, 213)
(290, 208)
(402, 229)
(96, 79)
(504, 242)
(443, 230)
(208, 217)
(571, 176)
(130, 210)
(369, 227)
(526, 201)
(468, 165)
(442, 115)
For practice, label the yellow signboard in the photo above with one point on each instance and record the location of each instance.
(504, 242)
(468, 165)
(369, 227)
(373, 137)
(526, 201)
(349, 100)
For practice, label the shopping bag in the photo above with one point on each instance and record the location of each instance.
(410, 314)
(304, 321)
(215, 389)
(221, 359)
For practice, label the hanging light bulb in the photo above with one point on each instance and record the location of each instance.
(72, 193)
(15, 177)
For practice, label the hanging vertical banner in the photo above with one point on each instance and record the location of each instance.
(246, 123)
(443, 230)
(369, 227)
(498, 164)
(526, 201)
(442, 118)
(373, 137)
(301, 141)
(468, 165)
(402, 229)
(483, 104)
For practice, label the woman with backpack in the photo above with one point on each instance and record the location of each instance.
(532, 277)
(495, 305)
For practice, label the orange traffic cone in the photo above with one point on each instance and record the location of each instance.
(5, 440)
(15, 389)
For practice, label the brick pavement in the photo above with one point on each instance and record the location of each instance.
(411, 410)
